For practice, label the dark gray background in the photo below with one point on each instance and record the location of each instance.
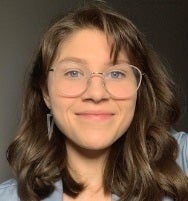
(22, 22)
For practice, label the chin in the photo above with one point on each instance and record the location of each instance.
(96, 146)
(95, 143)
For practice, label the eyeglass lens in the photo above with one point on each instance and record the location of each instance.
(121, 80)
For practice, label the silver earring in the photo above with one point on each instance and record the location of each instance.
(50, 125)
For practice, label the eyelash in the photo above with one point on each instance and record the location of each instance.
(72, 73)
(121, 74)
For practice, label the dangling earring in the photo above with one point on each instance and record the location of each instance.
(50, 125)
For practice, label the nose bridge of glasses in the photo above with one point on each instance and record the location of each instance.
(96, 75)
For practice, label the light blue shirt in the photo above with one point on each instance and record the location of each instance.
(8, 189)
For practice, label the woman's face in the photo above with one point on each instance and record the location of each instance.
(93, 120)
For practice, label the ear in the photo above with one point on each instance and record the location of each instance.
(46, 98)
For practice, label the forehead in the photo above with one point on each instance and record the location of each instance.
(89, 44)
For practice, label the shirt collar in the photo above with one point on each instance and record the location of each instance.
(58, 193)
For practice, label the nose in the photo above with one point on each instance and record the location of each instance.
(96, 90)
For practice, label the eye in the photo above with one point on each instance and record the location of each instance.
(116, 74)
(73, 73)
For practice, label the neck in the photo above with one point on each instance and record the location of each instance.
(86, 166)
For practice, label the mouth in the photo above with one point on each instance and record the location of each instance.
(95, 115)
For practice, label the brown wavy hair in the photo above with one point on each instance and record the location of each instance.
(141, 164)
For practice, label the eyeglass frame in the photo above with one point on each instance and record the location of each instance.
(101, 75)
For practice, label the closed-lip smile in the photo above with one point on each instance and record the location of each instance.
(95, 115)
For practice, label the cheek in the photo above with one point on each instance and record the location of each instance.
(127, 110)
(61, 108)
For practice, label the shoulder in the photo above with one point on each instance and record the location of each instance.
(8, 191)
(182, 140)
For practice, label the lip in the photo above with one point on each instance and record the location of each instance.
(95, 115)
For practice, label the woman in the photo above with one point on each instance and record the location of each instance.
(110, 107)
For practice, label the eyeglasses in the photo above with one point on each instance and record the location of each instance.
(71, 79)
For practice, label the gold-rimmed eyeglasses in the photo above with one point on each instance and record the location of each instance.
(72, 79)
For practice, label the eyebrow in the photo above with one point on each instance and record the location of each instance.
(74, 59)
(84, 62)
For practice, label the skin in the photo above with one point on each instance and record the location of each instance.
(93, 121)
